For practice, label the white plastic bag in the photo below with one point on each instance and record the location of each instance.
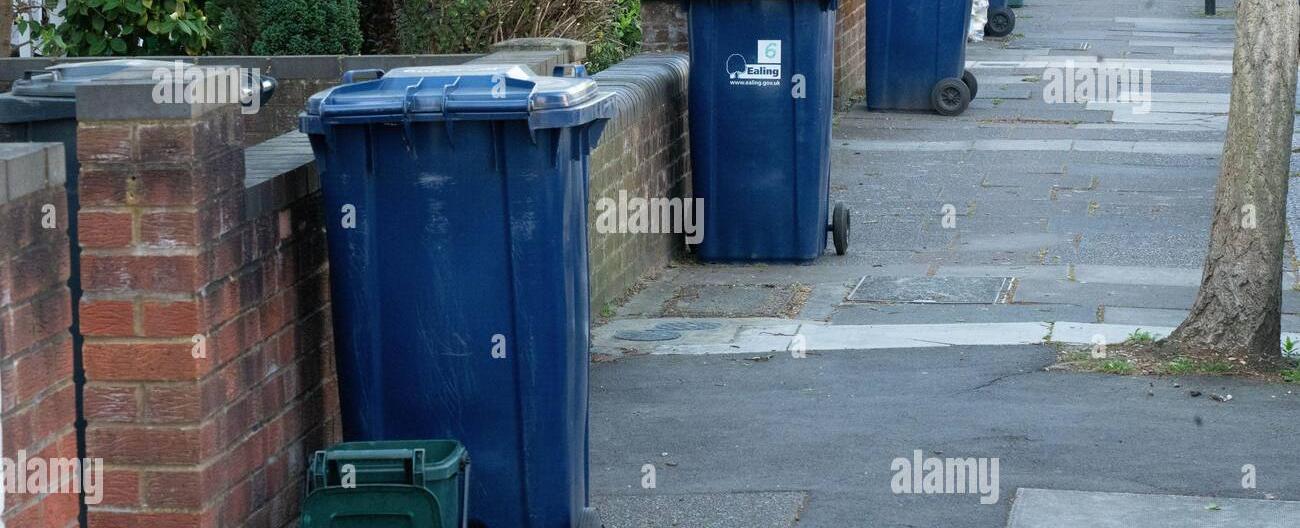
(979, 15)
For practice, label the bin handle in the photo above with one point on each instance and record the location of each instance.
(569, 70)
(413, 460)
(350, 75)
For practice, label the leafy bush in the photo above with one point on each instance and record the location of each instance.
(378, 26)
(308, 27)
(124, 27)
(612, 28)
(236, 29)
(620, 39)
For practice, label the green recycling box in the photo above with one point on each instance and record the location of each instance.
(393, 484)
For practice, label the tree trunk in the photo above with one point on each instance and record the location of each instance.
(1237, 312)
(7, 17)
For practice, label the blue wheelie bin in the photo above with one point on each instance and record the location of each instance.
(1001, 21)
(916, 56)
(456, 210)
(761, 107)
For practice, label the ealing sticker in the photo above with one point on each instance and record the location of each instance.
(766, 71)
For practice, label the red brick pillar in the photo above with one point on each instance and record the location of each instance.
(39, 408)
(850, 53)
(160, 185)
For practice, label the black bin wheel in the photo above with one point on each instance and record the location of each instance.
(950, 97)
(971, 82)
(840, 225)
(1002, 22)
(590, 519)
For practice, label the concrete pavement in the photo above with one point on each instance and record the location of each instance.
(980, 237)
(830, 425)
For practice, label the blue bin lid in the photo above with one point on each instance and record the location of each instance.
(464, 92)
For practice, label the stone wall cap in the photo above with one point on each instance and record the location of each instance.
(135, 100)
(26, 168)
(576, 49)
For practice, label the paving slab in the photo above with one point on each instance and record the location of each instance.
(1047, 508)
(731, 300)
(943, 290)
(1071, 332)
(778, 509)
(1163, 249)
(1036, 291)
(1004, 91)
(765, 338)
(897, 314)
(849, 337)
(1144, 316)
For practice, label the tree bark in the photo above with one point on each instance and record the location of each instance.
(8, 13)
(1237, 312)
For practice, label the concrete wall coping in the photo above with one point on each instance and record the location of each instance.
(134, 100)
(280, 66)
(26, 168)
(576, 49)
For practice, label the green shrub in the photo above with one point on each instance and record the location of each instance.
(308, 27)
(378, 26)
(1116, 366)
(611, 28)
(1291, 375)
(236, 25)
(124, 27)
(620, 39)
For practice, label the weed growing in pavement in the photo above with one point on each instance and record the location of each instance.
(1140, 337)
(1291, 375)
(1083, 360)
(1116, 366)
(1182, 366)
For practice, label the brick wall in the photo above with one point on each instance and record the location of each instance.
(664, 28)
(207, 335)
(208, 343)
(38, 410)
(645, 152)
(850, 53)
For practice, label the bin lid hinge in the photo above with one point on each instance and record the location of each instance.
(407, 103)
(446, 112)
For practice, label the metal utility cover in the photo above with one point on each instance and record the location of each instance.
(935, 290)
(647, 335)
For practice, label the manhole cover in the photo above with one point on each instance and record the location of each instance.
(687, 326)
(937, 290)
(647, 335)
